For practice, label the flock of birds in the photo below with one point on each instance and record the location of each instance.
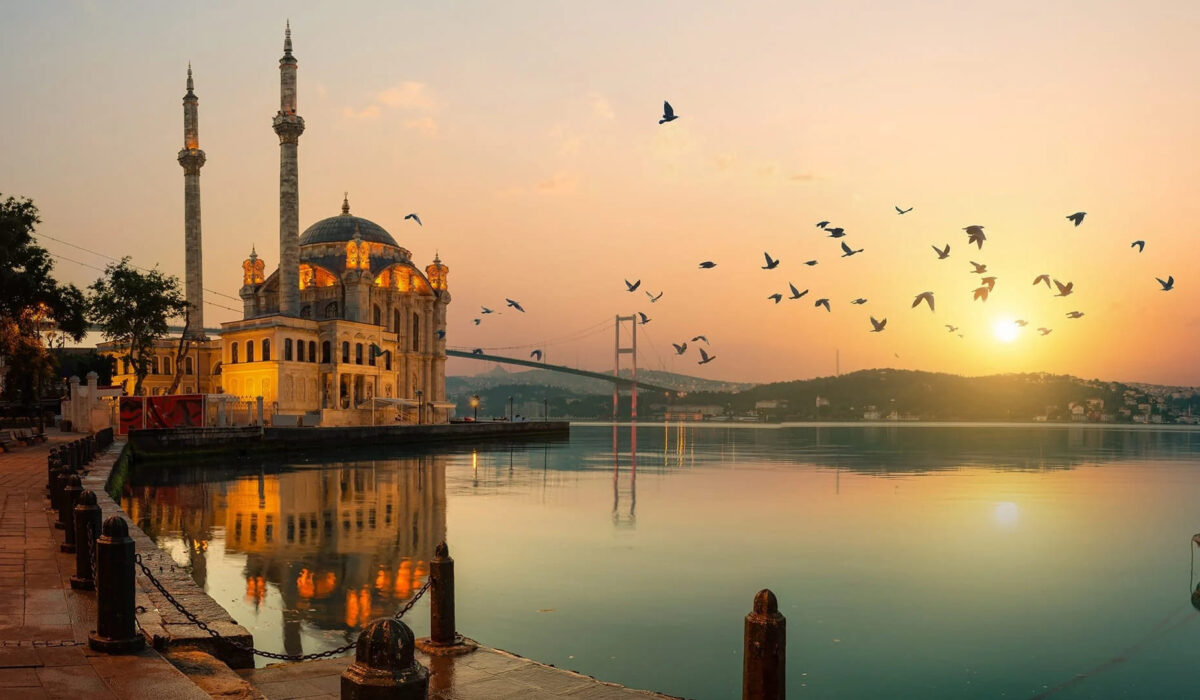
(975, 235)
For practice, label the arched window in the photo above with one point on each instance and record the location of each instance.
(287, 350)
(249, 351)
(416, 333)
(166, 365)
(233, 353)
(378, 316)
(312, 351)
(188, 367)
(217, 369)
(154, 365)
(266, 349)
(331, 310)
(345, 351)
(396, 321)
(325, 352)
(306, 311)
(371, 354)
(358, 353)
(387, 361)
(299, 351)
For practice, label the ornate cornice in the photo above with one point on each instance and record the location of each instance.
(288, 127)
(192, 159)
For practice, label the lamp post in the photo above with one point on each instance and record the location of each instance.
(510, 410)
(420, 406)
(475, 407)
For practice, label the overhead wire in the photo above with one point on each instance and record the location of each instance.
(100, 269)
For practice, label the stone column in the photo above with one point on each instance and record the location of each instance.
(288, 125)
(191, 158)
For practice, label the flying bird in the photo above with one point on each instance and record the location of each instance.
(878, 324)
(822, 224)
(1075, 314)
(776, 296)
(1168, 285)
(1042, 278)
(477, 321)
(982, 293)
(701, 337)
(1077, 217)
(1021, 322)
(668, 113)
(771, 264)
(537, 355)
(902, 211)
(975, 235)
(1141, 245)
(705, 358)
(1063, 289)
(707, 265)
(632, 287)
(441, 333)
(1044, 331)
(810, 263)
(847, 252)
(477, 351)
(796, 293)
(942, 254)
(951, 328)
(680, 348)
(822, 302)
(835, 232)
(989, 281)
(859, 301)
(654, 298)
(927, 297)
(514, 304)
(486, 310)
(645, 318)
(415, 218)
(979, 269)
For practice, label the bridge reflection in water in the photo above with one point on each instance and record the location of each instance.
(341, 545)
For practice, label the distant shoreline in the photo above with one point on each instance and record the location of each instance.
(1172, 427)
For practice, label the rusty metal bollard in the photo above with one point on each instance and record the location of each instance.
(73, 454)
(765, 651)
(443, 639)
(87, 529)
(66, 514)
(53, 462)
(116, 630)
(58, 493)
(384, 665)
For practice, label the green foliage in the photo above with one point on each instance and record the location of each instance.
(78, 364)
(132, 309)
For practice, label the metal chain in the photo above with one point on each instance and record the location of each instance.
(246, 647)
(95, 547)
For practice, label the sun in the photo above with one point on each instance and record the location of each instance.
(1005, 331)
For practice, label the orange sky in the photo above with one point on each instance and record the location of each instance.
(526, 138)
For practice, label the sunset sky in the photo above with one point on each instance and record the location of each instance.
(525, 135)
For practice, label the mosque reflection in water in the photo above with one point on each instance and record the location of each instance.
(342, 545)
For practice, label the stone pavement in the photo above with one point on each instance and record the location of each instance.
(485, 674)
(43, 622)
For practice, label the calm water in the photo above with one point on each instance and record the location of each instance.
(911, 561)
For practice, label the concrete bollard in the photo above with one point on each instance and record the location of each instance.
(116, 629)
(87, 528)
(58, 493)
(765, 650)
(66, 514)
(384, 665)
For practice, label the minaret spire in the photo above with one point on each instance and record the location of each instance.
(288, 125)
(192, 159)
(287, 38)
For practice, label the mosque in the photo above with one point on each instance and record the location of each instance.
(346, 331)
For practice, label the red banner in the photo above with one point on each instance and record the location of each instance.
(179, 411)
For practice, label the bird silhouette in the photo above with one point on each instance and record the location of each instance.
(810, 263)
(771, 264)
(441, 333)
(654, 298)
(847, 252)
(477, 321)
(703, 338)
(1077, 217)
(1042, 278)
(680, 348)
(668, 113)
(1044, 331)
(979, 269)
(1075, 314)
(878, 324)
(975, 235)
(486, 310)
(951, 328)
(705, 358)
(942, 254)
(859, 301)
(1063, 289)
(514, 304)
(1141, 245)
(927, 297)
(707, 265)
(989, 281)
(1021, 322)
(822, 302)
(902, 211)
(822, 224)
(415, 218)
(632, 287)
(982, 293)
(777, 297)
(645, 318)
(796, 293)
(1168, 285)
(537, 355)
(477, 351)
(835, 232)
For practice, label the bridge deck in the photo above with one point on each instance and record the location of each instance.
(621, 382)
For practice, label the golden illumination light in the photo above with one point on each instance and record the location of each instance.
(1005, 330)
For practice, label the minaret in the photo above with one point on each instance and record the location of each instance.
(192, 159)
(288, 125)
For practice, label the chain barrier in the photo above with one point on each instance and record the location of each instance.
(249, 648)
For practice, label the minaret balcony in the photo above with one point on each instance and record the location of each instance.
(288, 126)
(192, 159)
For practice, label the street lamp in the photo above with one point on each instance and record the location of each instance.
(420, 406)
(475, 406)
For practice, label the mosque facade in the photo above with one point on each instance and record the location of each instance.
(346, 330)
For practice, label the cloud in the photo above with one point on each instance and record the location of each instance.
(425, 125)
(411, 98)
(802, 177)
(601, 107)
(407, 95)
(557, 184)
(368, 112)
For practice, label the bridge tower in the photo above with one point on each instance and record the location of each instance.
(630, 350)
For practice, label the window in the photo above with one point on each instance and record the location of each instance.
(153, 365)
(233, 353)
(387, 361)
(358, 353)
(378, 316)
(345, 351)
(371, 350)
(306, 311)
(166, 365)
(299, 350)
(312, 351)
(416, 333)
(325, 352)
(396, 321)
(287, 350)
(331, 310)
(188, 367)
(249, 351)
(266, 349)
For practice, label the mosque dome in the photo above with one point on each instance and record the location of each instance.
(341, 229)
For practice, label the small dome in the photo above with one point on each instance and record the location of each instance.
(341, 228)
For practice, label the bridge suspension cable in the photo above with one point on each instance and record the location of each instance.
(580, 334)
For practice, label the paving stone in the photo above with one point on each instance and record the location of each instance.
(18, 677)
(73, 681)
(284, 690)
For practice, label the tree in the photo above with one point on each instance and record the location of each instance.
(186, 342)
(132, 309)
(31, 302)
